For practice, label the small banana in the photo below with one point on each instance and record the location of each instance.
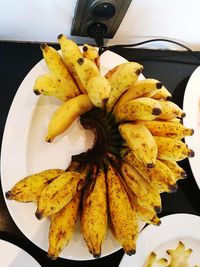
(66, 114)
(94, 214)
(91, 53)
(141, 142)
(29, 188)
(178, 172)
(170, 110)
(160, 176)
(125, 75)
(161, 93)
(51, 85)
(59, 193)
(57, 66)
(142, 108)
(62, 227)
(138, 89)
(123, 220)
(145, 193)
(172, 149)
(71, 53)
(86, 69)
(98, 89)
(168, 129)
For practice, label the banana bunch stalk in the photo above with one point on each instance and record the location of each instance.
(139, 141)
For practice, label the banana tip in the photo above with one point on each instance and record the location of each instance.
(38, 215)
(173, 188)
(158, 209)
(8, 195)
(36, 92)
(97, 255)
(60, 36)
(150, 165)
(48, 139)
(43, 46)
(131, 252)
(51, 256)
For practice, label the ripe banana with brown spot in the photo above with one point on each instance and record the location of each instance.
(71, 53)
(144, 192)
(168, 129)
(91, 53)
(138, 89)
(98, 89)
(161, 93)
(86, 69)
(66, 114)
(160, 176)
(59, 193)
(94, 214)
(170, 110)
(172, 149)
(123, 220)
(51, 85)
(62, 227)
(29, 188)
(141, 142)
(56, 65)
(178, 172)
(125, 75)
(142, 108)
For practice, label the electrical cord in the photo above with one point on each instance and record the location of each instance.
(103, 48)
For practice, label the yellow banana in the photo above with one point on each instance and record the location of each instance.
(98, 89)
(178, 172)
(125, 75)
(142, 108)
(141, 142)
(59, 193)
(160, 176)
(66, 114)
(86, 69)
(51, 85)
(71, 53)
(172, 149)
(161, 93)
(168, 129)
(91, 53)
(122, 217)
(145, 193)
(29, 188)
(94, 214)
(170, 110)
(57, 66)
(138, 89)
(62, 227)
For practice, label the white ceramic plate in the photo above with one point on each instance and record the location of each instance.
(12, 255)
(24, 152)
(191, 106)
(173, 228)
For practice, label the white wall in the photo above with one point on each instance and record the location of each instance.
(43, 20)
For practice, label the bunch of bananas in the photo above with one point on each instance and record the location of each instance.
(133, 160)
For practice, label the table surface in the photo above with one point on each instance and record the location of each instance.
(172, 68)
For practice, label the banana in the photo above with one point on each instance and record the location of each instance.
(91, 53)
(123, 220)
(98, 89)
(144, 192)
(178, 172)
(142, 108)
(138, 89)
(160, 176)
(51, 85)
(62, 227)
(86, 69)
(29, 188)
(170, 110)
(172, 149)
(65, 115)
(57, 66)
(168, 129)
(94, 214)
(71, 53)
(125, 75)
(161, 93)
(141, 142)
(59, 193)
